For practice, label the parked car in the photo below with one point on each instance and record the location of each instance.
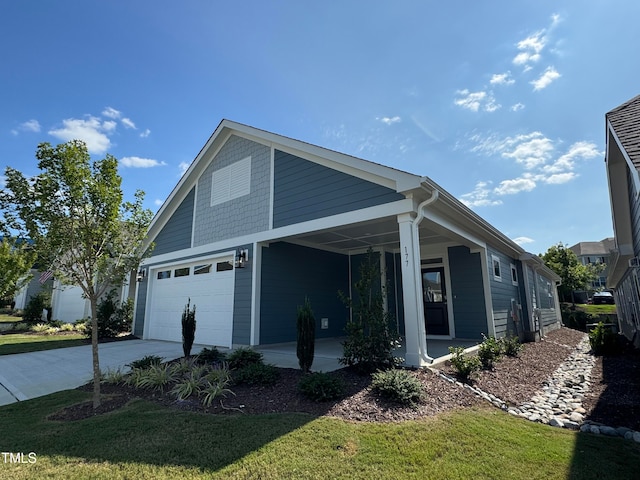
(600, 298)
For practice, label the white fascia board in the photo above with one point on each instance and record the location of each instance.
(339, 220)
(468, 216)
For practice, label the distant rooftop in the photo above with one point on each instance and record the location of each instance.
(601, 248)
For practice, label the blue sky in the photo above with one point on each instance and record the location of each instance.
(500, 102)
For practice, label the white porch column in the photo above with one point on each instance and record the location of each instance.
(415, 333)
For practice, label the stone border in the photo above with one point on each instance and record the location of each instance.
(559, 402)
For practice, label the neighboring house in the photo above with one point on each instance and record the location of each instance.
(259, 221)
(623, 161)
(595, 253)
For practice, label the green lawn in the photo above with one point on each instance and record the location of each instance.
(11, 343)
(4, 318)
(145, 440)
(597, 309)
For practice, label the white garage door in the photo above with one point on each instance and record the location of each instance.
(209, 285)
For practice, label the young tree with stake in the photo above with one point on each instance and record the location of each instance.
(83, 232)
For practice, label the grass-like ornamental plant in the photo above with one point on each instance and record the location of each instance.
(156, 377)
(188, 385)
(321, 387)
(399, 385)
(113, 377)
(242, 357)
(306, 329)
(464, 365)
(188, 328)
(213, 391)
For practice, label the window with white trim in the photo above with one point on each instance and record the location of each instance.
(514, 275)
(497, 273)
(232, 181)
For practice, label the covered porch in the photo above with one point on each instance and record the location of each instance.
(329, 350)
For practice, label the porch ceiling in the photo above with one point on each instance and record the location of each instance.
(381, 232)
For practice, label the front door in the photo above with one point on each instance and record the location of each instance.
(434, 295)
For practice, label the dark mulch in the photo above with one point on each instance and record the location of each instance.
(611, 401)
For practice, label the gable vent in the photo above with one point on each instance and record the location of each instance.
(232, 181)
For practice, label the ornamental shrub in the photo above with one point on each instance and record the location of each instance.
(243, 356)
(145, 362)
(37, 303)
(188, 328)
(113, 320)
(321, 387)
(256, 374)
(399, 385)
(489, 351)
(370, 339)
(602, 339)
(211, 356)
(511, 346)
(306, 327)
(464, 365)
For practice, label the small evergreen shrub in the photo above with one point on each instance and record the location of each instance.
(211, 356)
(602, 339)
(188, 328)
(321, 387)
(37, 303)
(306, 329)
(464, 365)
(145, 362)
(256, 374)
(511, 346)
(113, 320)
(242, 357)
(399, 385)
(489, 351)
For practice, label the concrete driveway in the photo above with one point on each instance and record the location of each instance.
(30, 375)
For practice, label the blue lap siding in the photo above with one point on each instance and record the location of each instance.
(176, 234)
(467, 293)
(291, 272)
(305, 190)
(503, 291)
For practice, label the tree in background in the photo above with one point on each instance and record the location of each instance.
(16, 260)
(574, 275)
(82, 230)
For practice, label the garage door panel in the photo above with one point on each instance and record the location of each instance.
(212, 295)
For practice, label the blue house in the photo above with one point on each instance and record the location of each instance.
(623, 161)
(259, 221)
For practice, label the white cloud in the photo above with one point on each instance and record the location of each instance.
(28, 126)
(530, 49)
(157, 202)
(516, 185)
(547, 77)
(577, 151)
(390, 120)
(111, 113)
(523, 240)
(91, 130)
(559, 178)
(532, 152)
(502, 79)
(127, 122)
(517, 106)
(137, 162)
(184, 166)
(474, 101)
(146, 133)
(480, 197)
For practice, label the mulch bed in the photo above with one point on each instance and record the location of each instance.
(612, 398)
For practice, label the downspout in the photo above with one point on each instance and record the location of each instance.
(435, 194)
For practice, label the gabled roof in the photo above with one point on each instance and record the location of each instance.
(625, 121)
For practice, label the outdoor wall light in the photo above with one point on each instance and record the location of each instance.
(140, 275)
(242, 257)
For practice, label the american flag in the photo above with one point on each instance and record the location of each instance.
(44, 276)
